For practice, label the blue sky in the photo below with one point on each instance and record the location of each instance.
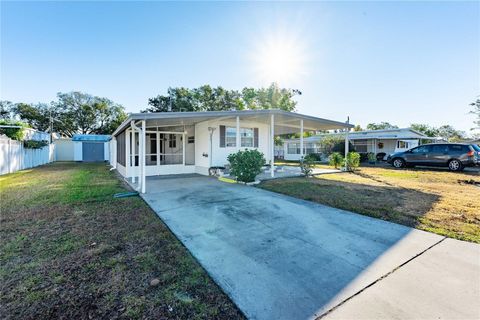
(374, 61)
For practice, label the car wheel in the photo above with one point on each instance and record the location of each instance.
(455, 165)
(398, 163)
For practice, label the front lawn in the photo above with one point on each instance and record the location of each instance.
(69, 250)
(438, 201)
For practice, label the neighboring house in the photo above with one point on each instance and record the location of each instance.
(150, 144)
(379, 142)
(83, 147)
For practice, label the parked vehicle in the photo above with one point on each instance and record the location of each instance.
(455, 156)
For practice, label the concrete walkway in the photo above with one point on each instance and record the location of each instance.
(282, 258)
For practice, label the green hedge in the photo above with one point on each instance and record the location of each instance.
(35, 144)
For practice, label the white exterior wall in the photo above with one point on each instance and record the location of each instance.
(77, 151)
(106, 151)
(388, 146)
(219, 157)
(112, 148)
(64, 149)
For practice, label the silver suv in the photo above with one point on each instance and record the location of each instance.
(455, 156)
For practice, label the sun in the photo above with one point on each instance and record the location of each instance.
(279, 58)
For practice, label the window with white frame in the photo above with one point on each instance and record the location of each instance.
(246, 137)
(402, 144)
(230, 137)
(293, 148)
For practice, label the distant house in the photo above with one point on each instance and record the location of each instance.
(379, 142)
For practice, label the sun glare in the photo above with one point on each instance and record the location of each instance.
(280, 59)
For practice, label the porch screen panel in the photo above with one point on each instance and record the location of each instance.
(151, 152)
(121, 148)
(361, 146)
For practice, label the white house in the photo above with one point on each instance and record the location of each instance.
(150, 144)
(379, 142)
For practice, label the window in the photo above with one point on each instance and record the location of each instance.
(458, 148)
(422, 149)
(309, 148)
(293, 148)
(230, 137)
(440, 148)
(402, 144)
(246, 137)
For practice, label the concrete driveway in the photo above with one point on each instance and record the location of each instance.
(282, 258)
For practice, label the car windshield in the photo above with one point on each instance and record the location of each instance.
(476, 147)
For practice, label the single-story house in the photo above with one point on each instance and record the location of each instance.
(379, 142)
(83, 147)
(150, 144)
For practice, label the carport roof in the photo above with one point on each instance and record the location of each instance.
(91, 137)
(285, 122)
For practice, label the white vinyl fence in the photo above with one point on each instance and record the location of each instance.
(14, 157)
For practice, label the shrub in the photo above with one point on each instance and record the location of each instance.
(35, 144)
(336, 159)
(246, 165)
(371, 157)
(364, 157)
(13, 133)
(353, 161)
(306, 164)
(315, 156)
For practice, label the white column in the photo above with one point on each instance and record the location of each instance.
(272, 145)
(346, 144)
(113, 153)
(238, 140)
(184, 136)
(127, 153)
(143, 155)
(132, 125)
(158, 148)
(301, 139)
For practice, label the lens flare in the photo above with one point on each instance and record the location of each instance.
(280, 58)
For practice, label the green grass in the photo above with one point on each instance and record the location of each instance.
(68, 249)
(437, 201)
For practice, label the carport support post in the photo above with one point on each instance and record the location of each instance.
(113, 153)
(127, 153)
(272, 145)
(301, 139)
(238, 140)
(132, 151)
(143, 155)
(346, 147)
